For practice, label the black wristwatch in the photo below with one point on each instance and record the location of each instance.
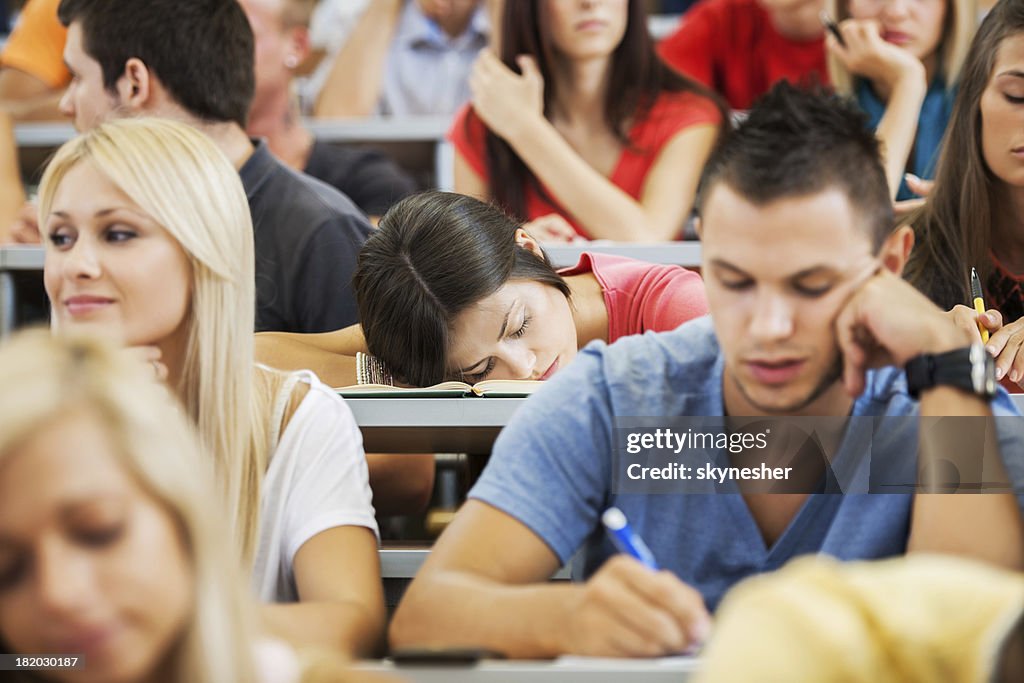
(971, 369)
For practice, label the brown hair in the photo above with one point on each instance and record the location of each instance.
(434, 255)
(954, 229)
(637, 77)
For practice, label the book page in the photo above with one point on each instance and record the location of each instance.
(448, 389)
(506, 387)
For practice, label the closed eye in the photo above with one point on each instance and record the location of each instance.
(812, 292)
(522, 329)
(478, 376)
(736, 285)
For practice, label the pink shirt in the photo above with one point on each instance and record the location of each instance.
(643, 296)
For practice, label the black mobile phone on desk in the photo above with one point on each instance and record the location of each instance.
(442, 656)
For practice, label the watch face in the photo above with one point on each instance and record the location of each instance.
(983, 371)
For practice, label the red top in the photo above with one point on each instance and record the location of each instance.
(732, 47)
(641, 296)
(670, 114)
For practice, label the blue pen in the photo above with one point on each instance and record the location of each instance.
(625, 539)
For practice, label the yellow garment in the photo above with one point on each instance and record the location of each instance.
(907, 620)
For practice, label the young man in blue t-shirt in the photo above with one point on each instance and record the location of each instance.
(809, 319)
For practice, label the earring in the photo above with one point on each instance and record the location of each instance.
(291, 61)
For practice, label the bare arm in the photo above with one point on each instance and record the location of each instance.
(482, 586)
(331, 355)
(353, 85)
(888, 322)
(895, 74)
(26, 98)
(984, 526)
(468, 182)
(898, 128)
(604, 209)
(12, 194)
(337, 573)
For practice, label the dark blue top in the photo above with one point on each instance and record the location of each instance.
(931, 126)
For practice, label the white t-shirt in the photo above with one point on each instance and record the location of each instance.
(317, 480)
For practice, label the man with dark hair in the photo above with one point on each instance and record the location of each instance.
(808, 319)
(192, 60)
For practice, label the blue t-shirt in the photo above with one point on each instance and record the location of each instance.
(551, 467)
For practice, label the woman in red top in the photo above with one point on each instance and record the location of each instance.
(580, 128)
(452, 288)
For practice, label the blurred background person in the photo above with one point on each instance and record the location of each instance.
(281, 31)
(400, 57)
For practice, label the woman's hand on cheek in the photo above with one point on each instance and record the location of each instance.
(507, 102)
(867, 55)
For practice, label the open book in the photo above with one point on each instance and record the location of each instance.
(497, 388)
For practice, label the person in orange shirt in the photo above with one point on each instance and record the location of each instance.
(32, 79)
(33, 75)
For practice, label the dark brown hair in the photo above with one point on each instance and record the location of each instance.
(796, 142)
(434, 255)
(637, 77)
(201, 50)
(954, 230)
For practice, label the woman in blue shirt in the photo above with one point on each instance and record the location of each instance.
(901, 60)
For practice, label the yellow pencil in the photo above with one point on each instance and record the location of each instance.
(979, 302)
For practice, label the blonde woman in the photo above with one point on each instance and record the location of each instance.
(901, 60)
(107, 548)
(148, 238)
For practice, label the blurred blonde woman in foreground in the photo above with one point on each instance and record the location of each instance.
(109, 548)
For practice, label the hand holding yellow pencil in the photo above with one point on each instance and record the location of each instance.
(978, 297)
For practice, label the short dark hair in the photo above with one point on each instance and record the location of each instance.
(201, 50)
(434, 255)
(799, 141)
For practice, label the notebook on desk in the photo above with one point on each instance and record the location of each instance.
(495, 388)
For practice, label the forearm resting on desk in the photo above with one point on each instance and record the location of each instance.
(983, 526)
(348, 628)
(331, 355)
(458, 609)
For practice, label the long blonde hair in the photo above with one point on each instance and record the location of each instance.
(44, 379)
(179, 177)
(957, 31)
